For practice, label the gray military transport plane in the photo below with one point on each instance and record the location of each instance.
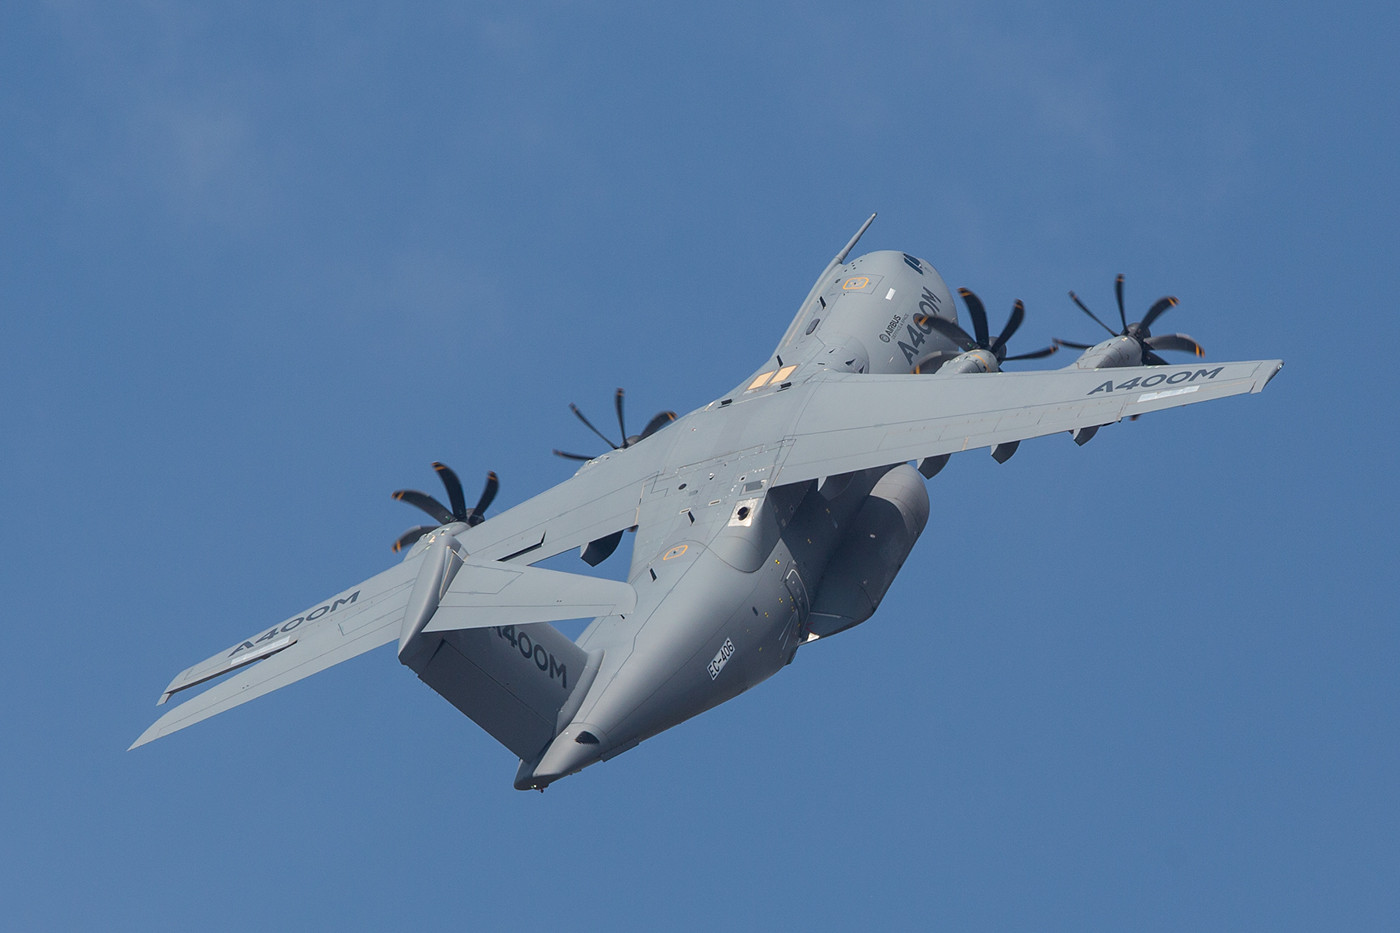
(771, 518)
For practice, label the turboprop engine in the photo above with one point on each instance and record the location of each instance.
(1135, 344)
(876, 543)
(979, 353)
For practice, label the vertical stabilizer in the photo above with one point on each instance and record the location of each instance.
(520, 683)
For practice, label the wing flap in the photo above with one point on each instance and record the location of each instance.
(227, 666)
(601, 498)
(486, 594)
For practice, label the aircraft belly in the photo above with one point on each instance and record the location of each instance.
(706, 637)
(705, 630)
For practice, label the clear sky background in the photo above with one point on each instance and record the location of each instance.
(262, 263)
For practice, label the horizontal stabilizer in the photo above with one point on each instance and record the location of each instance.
(492, 593)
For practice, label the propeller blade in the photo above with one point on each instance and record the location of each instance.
(427, 503)
(1175, 342)
(568, 456)
(948, 329)
(978, 315)
(1018, 314)
(588, 424)
(659, 421)
(1118, 291)
(454, 490)
(1152, 359)
(1156, 310)
(410, 536)
(1071, 343)
(1038, 354)
(488, 495)
(617, 401)
(1085, 309)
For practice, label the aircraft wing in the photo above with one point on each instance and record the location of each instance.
(601, 498)
(335, 630)
(481, 594)
(852, 421)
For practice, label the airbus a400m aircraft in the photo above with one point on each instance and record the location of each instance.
(773, 517)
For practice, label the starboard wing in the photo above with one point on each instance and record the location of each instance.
(851, 421)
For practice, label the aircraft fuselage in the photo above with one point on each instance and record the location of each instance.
(728, 570)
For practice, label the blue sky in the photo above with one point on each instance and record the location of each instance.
(261, 264)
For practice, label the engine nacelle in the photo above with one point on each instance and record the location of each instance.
(1112, 353)
(973, 361)
(876, 543)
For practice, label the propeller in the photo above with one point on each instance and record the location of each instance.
(445, 516)
(658, 421)
(1140, 330)
(978, 313)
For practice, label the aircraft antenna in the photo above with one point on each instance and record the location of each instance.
(841, 256)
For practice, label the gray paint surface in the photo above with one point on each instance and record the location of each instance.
(791, 491)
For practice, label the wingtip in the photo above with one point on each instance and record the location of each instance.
(149, 735)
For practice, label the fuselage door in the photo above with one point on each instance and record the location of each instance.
(796, 632)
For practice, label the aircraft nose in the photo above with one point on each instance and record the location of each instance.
(575, 748)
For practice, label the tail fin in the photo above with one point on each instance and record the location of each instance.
(521, 683)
